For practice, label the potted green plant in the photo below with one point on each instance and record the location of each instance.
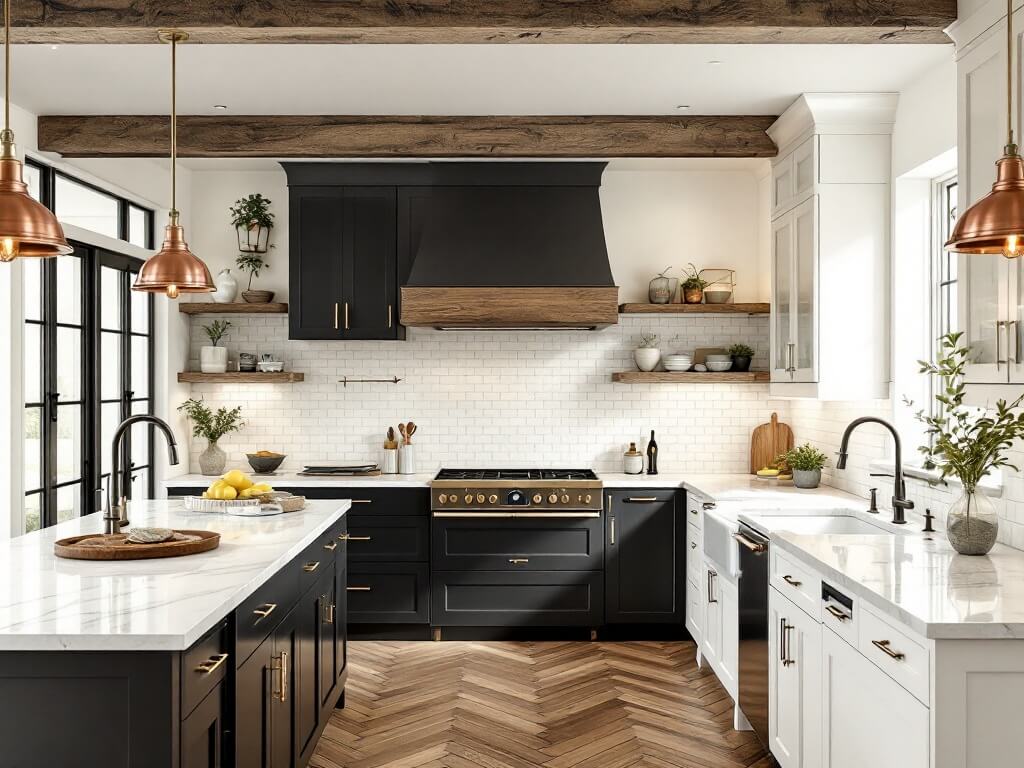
(253, 263)
(741, 355)
(806, 462)
(214, 358)
(252, 220)
(693, 285)
(967, 443)
(647, 355)
(212, 425)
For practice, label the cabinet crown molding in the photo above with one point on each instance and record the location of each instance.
(835, 113)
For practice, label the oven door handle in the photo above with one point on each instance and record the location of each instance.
(510, 515)
(747, 542)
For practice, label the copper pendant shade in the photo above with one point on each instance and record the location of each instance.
(27, 227)
(174, 269)
(995, 224)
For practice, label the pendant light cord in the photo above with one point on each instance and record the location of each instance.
(174, 123)
(7, 65)
(1009, 72)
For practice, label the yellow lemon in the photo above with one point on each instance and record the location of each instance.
(262, 487)
(237, 479)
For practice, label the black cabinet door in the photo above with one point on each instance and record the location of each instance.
(282, 701)
(341, 622)
(309, 617)
(370, 302)
(202, 732)
(253, 702)
(645, 565)
(326, 642)
(388, 593)
(316, 279)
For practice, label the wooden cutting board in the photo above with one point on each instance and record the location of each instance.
(767, 442)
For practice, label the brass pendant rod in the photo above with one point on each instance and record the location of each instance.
(7, 65)
(174, 125)
(1009, 72)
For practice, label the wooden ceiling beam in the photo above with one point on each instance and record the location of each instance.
(315, 136)
(487, 21)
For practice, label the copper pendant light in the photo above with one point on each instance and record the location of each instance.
(27, 227)
(174, 269)
(995, 224)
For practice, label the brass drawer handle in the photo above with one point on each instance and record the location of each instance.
(883, 646)
(519, 560)
(791, 581)
(641, 499)
(280, 665)
(263, 611)
(360, 538)
(841, 615)
(358, 589)
(389, 316)
(210, 666)
(361, 501)
(311, 566)
(331, 546)
(346, 315)
(335, 315)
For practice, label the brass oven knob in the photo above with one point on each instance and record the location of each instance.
(553, 498)
(453, 499)
(469, 498)
(537, 498)
(565, 498)
(442, 499)
(493, 499)
(586, 499)
(480, 498)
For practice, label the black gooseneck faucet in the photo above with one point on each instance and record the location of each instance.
(899, 492)
(116, 514)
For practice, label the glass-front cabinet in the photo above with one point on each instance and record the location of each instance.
(794, 258)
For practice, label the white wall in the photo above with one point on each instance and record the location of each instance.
(925, 119)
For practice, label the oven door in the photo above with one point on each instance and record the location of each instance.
(753, 628)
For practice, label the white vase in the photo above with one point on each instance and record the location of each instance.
(646, 358)
(407, 460)
(213, 359)
(227, 287)
(212, 460)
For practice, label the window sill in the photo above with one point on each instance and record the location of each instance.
(992, 485)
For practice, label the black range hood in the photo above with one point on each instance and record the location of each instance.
(507, 245)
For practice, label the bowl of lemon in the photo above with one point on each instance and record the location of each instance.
(235, 493)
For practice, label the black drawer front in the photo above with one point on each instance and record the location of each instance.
(524, 599)
(388, 593)
(316, 558)
(258, 616)
(384, 539)
(528, 544)
(376, 501)
(203, 666)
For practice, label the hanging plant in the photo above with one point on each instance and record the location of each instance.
(253, 221)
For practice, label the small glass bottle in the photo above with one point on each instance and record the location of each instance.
(652, 456)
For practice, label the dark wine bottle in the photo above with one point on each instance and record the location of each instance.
(652, 456)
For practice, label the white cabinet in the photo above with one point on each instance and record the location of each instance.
(867, 718)
(794, 682)
(830, 247)
(694, 571)
(711, 639)
(720, 638)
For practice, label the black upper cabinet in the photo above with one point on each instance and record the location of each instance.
(645, 557)
(343, 264)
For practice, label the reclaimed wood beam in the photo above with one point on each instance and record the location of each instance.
(487, 21)
(313, 136)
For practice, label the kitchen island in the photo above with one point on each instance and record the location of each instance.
(229, 657)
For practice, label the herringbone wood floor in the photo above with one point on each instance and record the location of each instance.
(527, 705)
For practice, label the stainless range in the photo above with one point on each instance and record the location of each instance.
(514, 493)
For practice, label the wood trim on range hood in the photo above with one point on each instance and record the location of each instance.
(510, 308)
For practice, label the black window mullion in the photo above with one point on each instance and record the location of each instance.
(48, 425)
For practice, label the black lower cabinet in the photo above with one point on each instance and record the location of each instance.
(202, 732)
(283, 725)
(645, 557)
(254, 701)
(388, 593)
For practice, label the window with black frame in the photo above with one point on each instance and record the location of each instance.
(88, 358)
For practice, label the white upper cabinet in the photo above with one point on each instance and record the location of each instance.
(830, 247)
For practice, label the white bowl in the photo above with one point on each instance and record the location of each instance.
(717, 297)
(718, 366)
(678, 359)
(677, 368)
(718, 359)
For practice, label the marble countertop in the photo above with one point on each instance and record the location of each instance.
(49, 603)
(295, 480)
(920, 581)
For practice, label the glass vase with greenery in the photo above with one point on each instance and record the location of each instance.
(252, 219)
(967, 443)
(212, 425)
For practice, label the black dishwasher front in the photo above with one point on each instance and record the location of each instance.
(753, 629)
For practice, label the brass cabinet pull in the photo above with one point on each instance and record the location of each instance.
(389, 316)
(841, 615)
(784, 643)
(331, 546)
(208, 667)
(335, 315)
(611, 530)
(750, 544)
(360, 501)
(346, 315)
(358, 589)
(791, 581)
(263, 611)
(311, 566)
(519, 560)
(360, 538)
(711, 586)
(328, 617)
(280, 665)
(641, 499)
(883, 646)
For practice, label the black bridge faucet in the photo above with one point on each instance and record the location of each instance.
(116, 515)
(899, 491)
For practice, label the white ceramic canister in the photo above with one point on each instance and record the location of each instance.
(633, 461)
(389, 466)
(407, 460)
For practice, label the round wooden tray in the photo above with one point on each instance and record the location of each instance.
(98, 546)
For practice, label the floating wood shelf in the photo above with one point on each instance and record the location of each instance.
(240, 377)
(690, 377)
(751, 308)
(237, 308)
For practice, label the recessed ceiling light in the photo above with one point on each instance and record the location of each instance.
(220, 106)
(54, 47)
(682, 107)
(714, 61)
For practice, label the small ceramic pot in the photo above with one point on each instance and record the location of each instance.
(212, 460)
(646, 358)
(258, 297)
(806, 478)
(227, 287)
(693, 295)
(740, 363)
(213, 359)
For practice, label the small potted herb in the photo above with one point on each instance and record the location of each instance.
(647, 355)
(806, 462)
(214, 358)
(253, 263)
(693, 285)
(252, 220)
(741, 355)
(212, 426)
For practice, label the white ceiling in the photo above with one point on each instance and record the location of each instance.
(453, 80)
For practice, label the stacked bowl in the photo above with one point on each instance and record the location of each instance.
(677, 362)
(718, 363)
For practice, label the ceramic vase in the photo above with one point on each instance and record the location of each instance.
(693, 295)
(740, 363)
(646, 358)
(972, 524)
(212, 460)
(227, 287)
(806, 478)
(213, 359)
